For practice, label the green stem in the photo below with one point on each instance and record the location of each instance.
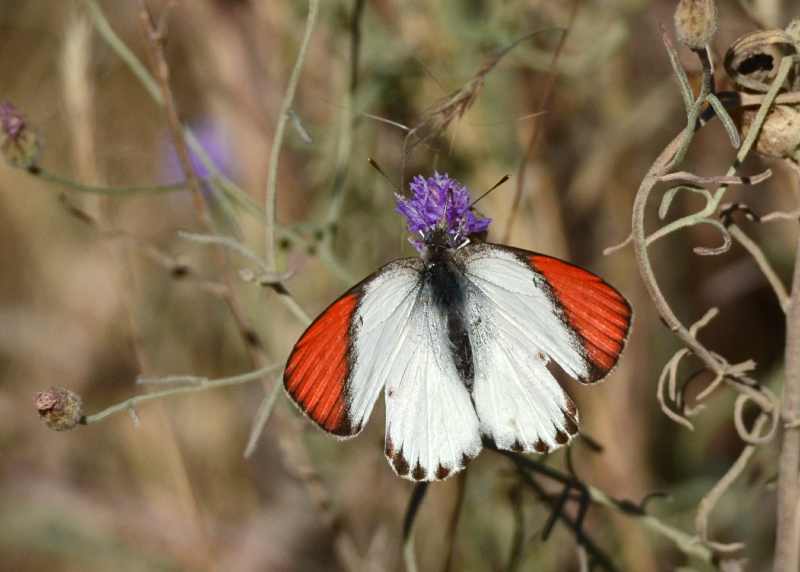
(270, 200)
(203, 385)
(713, 204)
(110, 191)
(218, 179)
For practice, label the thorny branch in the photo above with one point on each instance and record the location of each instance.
(682, 541)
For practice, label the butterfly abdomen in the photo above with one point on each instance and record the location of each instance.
(449, 299)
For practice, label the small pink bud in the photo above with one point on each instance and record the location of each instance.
(18, 143)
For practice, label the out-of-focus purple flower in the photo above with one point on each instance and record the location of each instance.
(18, 143)
(215, 142)
(439, 203)
(11, 121)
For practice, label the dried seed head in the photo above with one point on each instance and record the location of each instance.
(696, 22)
(59, 408)
(752, 61)
(780, 134)
(18, 143)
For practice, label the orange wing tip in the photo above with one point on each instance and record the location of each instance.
(319, 366)
(598, 313)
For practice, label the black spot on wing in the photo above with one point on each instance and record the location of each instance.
(541, 447)
(570, 423)
(400, 463)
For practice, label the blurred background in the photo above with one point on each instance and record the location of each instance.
(90, 298)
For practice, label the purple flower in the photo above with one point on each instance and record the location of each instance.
(216, 143)
(18, 143)
(11, 121)
(439, 203)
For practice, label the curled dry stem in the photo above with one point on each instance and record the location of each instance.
(710, 500)
(733, 374)
(763, 264)
(640, 240)
(668, 380)
(687, 177)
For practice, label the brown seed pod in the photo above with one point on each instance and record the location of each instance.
(780, 134)
(696, 22)
(753, 60)
(59, 408)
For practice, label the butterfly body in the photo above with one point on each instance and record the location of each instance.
(443, 277)
(460, 340)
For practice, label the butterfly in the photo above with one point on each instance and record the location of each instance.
(461, 340)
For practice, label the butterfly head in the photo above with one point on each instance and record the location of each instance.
(438, 213)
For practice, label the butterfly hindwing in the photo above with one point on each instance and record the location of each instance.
(432, 429)
(518, 324)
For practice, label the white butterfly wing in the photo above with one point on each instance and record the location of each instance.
(431, 425)
(524, 310)
(339, 366)
(521, 311)
(386, 332)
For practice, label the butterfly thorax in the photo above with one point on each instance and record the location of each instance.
(436, 246)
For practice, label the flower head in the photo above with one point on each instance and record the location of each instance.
(441, 204)
(18, 143)
(216, 143)
(11, 121)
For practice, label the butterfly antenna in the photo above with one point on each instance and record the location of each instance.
(374, 164)
(497, 184)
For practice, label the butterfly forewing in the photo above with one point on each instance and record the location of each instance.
(317, 371)
(598, 314)
(521, 317)
(334, 371)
